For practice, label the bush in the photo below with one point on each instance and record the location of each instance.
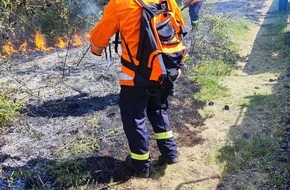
(21, 19)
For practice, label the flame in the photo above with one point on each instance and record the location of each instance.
(8, 48)
(23, 47)
(61, 43)
(77, 40)
(88, 35)
(40, 43)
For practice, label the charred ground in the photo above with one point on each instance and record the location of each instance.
(71, 114)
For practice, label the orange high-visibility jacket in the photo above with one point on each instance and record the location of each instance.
(125, 16)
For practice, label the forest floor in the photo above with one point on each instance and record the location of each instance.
(71, 126)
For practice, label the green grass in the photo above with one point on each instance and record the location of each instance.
(280, 27)
(68, 173)
(85, 145)
(212, 40)
(208, 76)
(254, 152)
(9, 107)
(214, 45)
(277, 33)
(250, 150)
(238, 28)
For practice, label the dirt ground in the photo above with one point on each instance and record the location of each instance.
(72, 114)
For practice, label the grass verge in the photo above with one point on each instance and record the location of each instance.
(252, 155)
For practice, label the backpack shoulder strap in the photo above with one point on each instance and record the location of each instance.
(129, 53)
(141, 3)
(116, 41)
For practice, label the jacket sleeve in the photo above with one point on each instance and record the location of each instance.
(105, 28)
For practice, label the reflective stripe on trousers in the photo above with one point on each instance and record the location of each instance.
(139, 156)
(164, 135)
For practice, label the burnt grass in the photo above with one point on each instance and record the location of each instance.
(70, 132)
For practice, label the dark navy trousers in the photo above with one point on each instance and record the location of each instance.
(193, 13)
(136, 105)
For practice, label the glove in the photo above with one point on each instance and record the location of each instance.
(186, 3)
(190, 2)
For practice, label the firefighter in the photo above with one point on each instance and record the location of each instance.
(194, 8)
(136, 104)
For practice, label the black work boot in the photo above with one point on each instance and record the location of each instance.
(145, 173)
(164, 160)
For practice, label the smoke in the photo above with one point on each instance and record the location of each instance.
(89, 10)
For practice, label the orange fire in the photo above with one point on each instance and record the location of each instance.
(77, 40)
(23, 47)
(61, 43)
(87, 35)
(8, 48)
(40, 42)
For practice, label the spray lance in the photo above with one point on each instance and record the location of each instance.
(184, 7)
(109, 60)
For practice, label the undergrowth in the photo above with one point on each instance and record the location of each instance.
(250, 153)
(208, 75)
(252, 148)
(214, 54)
(9, 107)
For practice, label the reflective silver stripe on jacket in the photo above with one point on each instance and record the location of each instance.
(124, 76)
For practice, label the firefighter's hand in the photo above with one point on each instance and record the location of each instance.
(96, 50)
(186, 3)
(189, 2)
